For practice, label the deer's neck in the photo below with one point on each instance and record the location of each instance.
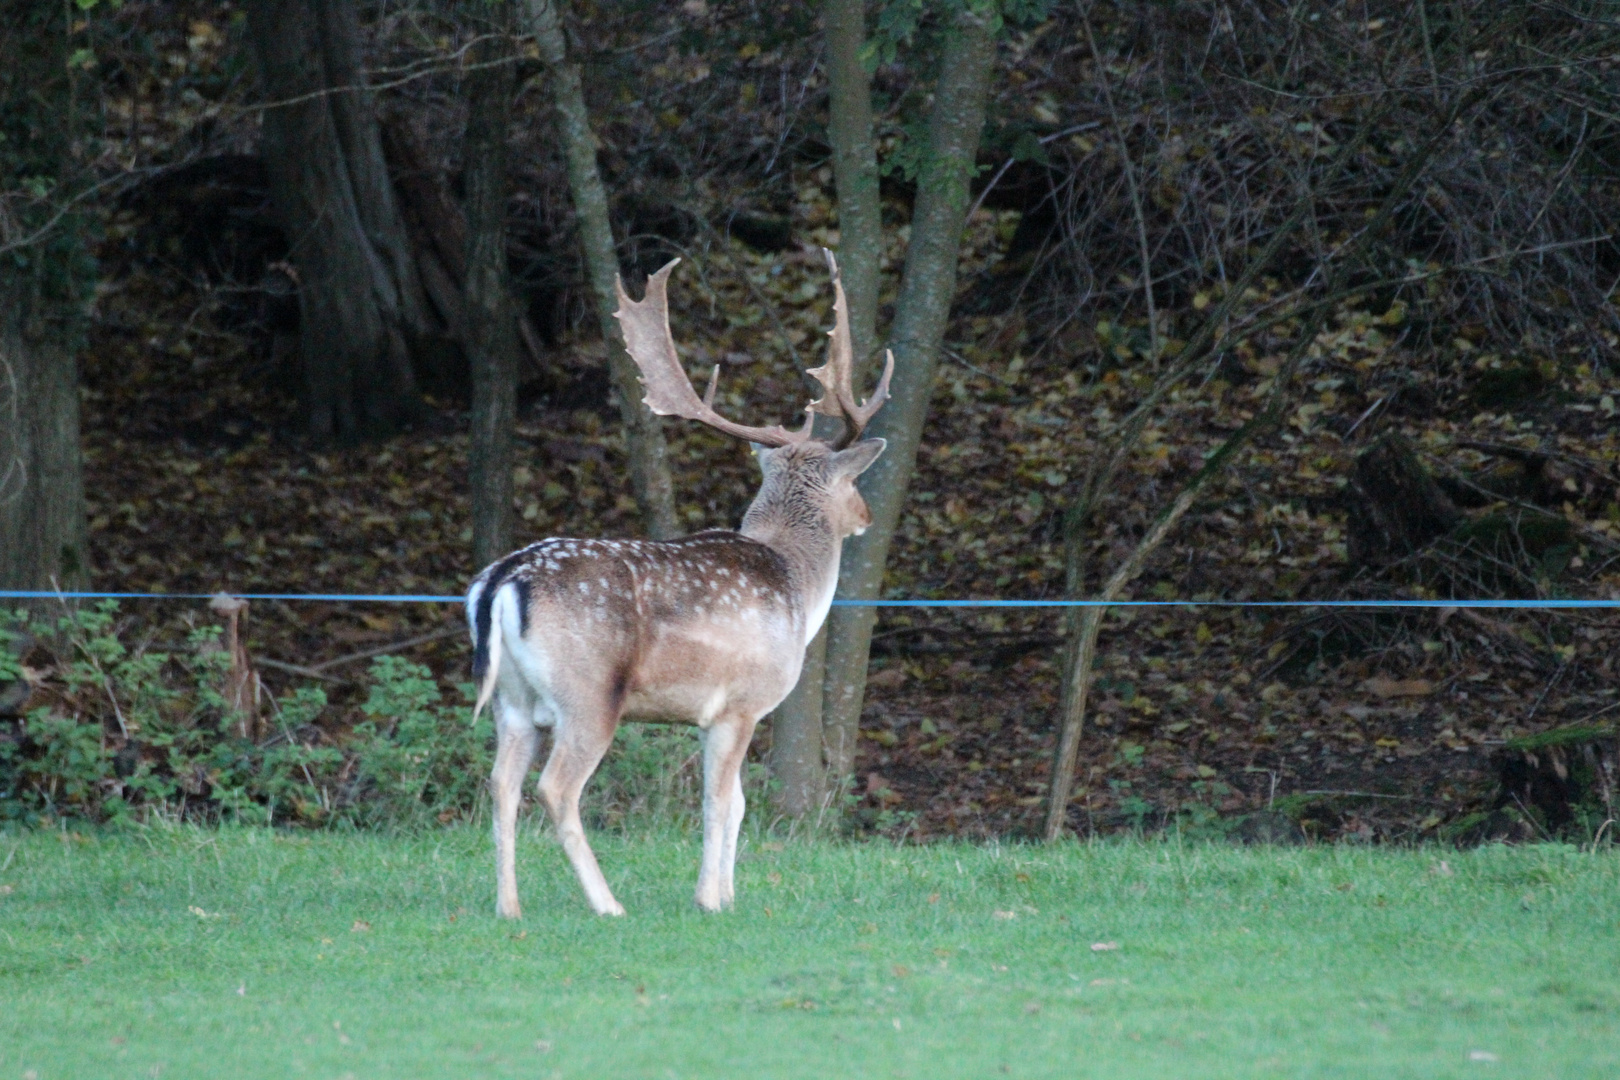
(807, 543)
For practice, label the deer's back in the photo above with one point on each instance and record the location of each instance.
(668, 630)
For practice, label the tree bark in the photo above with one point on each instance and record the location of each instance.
(855, 169)
(921, 315)
(354, 330)
(44, 279)
(644, 434)
(491, 340)
(354, 115)
(797, 756)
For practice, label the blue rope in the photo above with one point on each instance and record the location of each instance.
(413, 598)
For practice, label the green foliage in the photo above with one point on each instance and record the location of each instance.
(138, 735)
(416, 757)
(143, 735)
(653, 772)
(900, 22)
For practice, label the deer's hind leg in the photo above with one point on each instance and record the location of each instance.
(516, 739)
(582, 737)
(725, 744)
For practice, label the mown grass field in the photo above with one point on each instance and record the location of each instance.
(252, 953)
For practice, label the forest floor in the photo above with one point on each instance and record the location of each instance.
(1353, 724)
(1321, 722)
(266, 953)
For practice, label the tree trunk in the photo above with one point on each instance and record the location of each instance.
(797, 757)
(644, 435)
(354, 330)
(855, 168)
(921, 316)
(491, 327)
(45, 275)
(798, 762)
(354, 116)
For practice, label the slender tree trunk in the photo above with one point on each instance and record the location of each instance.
(921, 316)
(492, 341)
(44, 278)
(644, 435)
(855, 168)
(797, 756)
(353, 332)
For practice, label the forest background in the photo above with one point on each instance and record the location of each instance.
(1201, 301)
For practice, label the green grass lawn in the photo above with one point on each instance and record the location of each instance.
(251, 953)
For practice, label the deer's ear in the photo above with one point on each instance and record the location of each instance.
(857, 459)
(761, 454)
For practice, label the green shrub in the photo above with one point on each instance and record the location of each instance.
(129, 733)
(136, 733)
(416, 757)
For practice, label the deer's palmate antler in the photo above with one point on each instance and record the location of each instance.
(710, 630)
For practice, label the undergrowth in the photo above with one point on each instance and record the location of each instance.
(95, 729)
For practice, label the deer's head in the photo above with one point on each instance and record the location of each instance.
(804, 476)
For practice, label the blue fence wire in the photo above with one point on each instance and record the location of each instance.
(417, 598)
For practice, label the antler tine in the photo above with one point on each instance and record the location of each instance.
(837, 375)
(645, 324)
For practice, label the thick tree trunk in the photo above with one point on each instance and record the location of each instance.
(354, 116)
(644, 435)
(353, 326)
(492, 340)
(921, 315)
(797, 756)
(43, 544)
(44, 277)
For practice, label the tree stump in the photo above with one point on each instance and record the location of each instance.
(1563, 779)
(1396, 508)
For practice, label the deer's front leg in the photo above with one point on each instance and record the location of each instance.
(725, 745)
(728, 855)
(516, 739)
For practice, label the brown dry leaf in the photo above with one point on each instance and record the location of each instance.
(1385, 687)
(887, 679)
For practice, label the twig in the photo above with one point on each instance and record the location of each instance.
(1557, 676)
(1606, 709)
(1531, 818)
(1056, 135)
(1367, 795)
(1370, 410)
(1146, 252)
(992, 376)
(299, 669)
(366, 654)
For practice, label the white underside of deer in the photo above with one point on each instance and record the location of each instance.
(709, 630)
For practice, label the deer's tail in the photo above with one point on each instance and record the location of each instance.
(486, 634)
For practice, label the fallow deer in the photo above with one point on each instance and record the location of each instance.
(710, 629)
